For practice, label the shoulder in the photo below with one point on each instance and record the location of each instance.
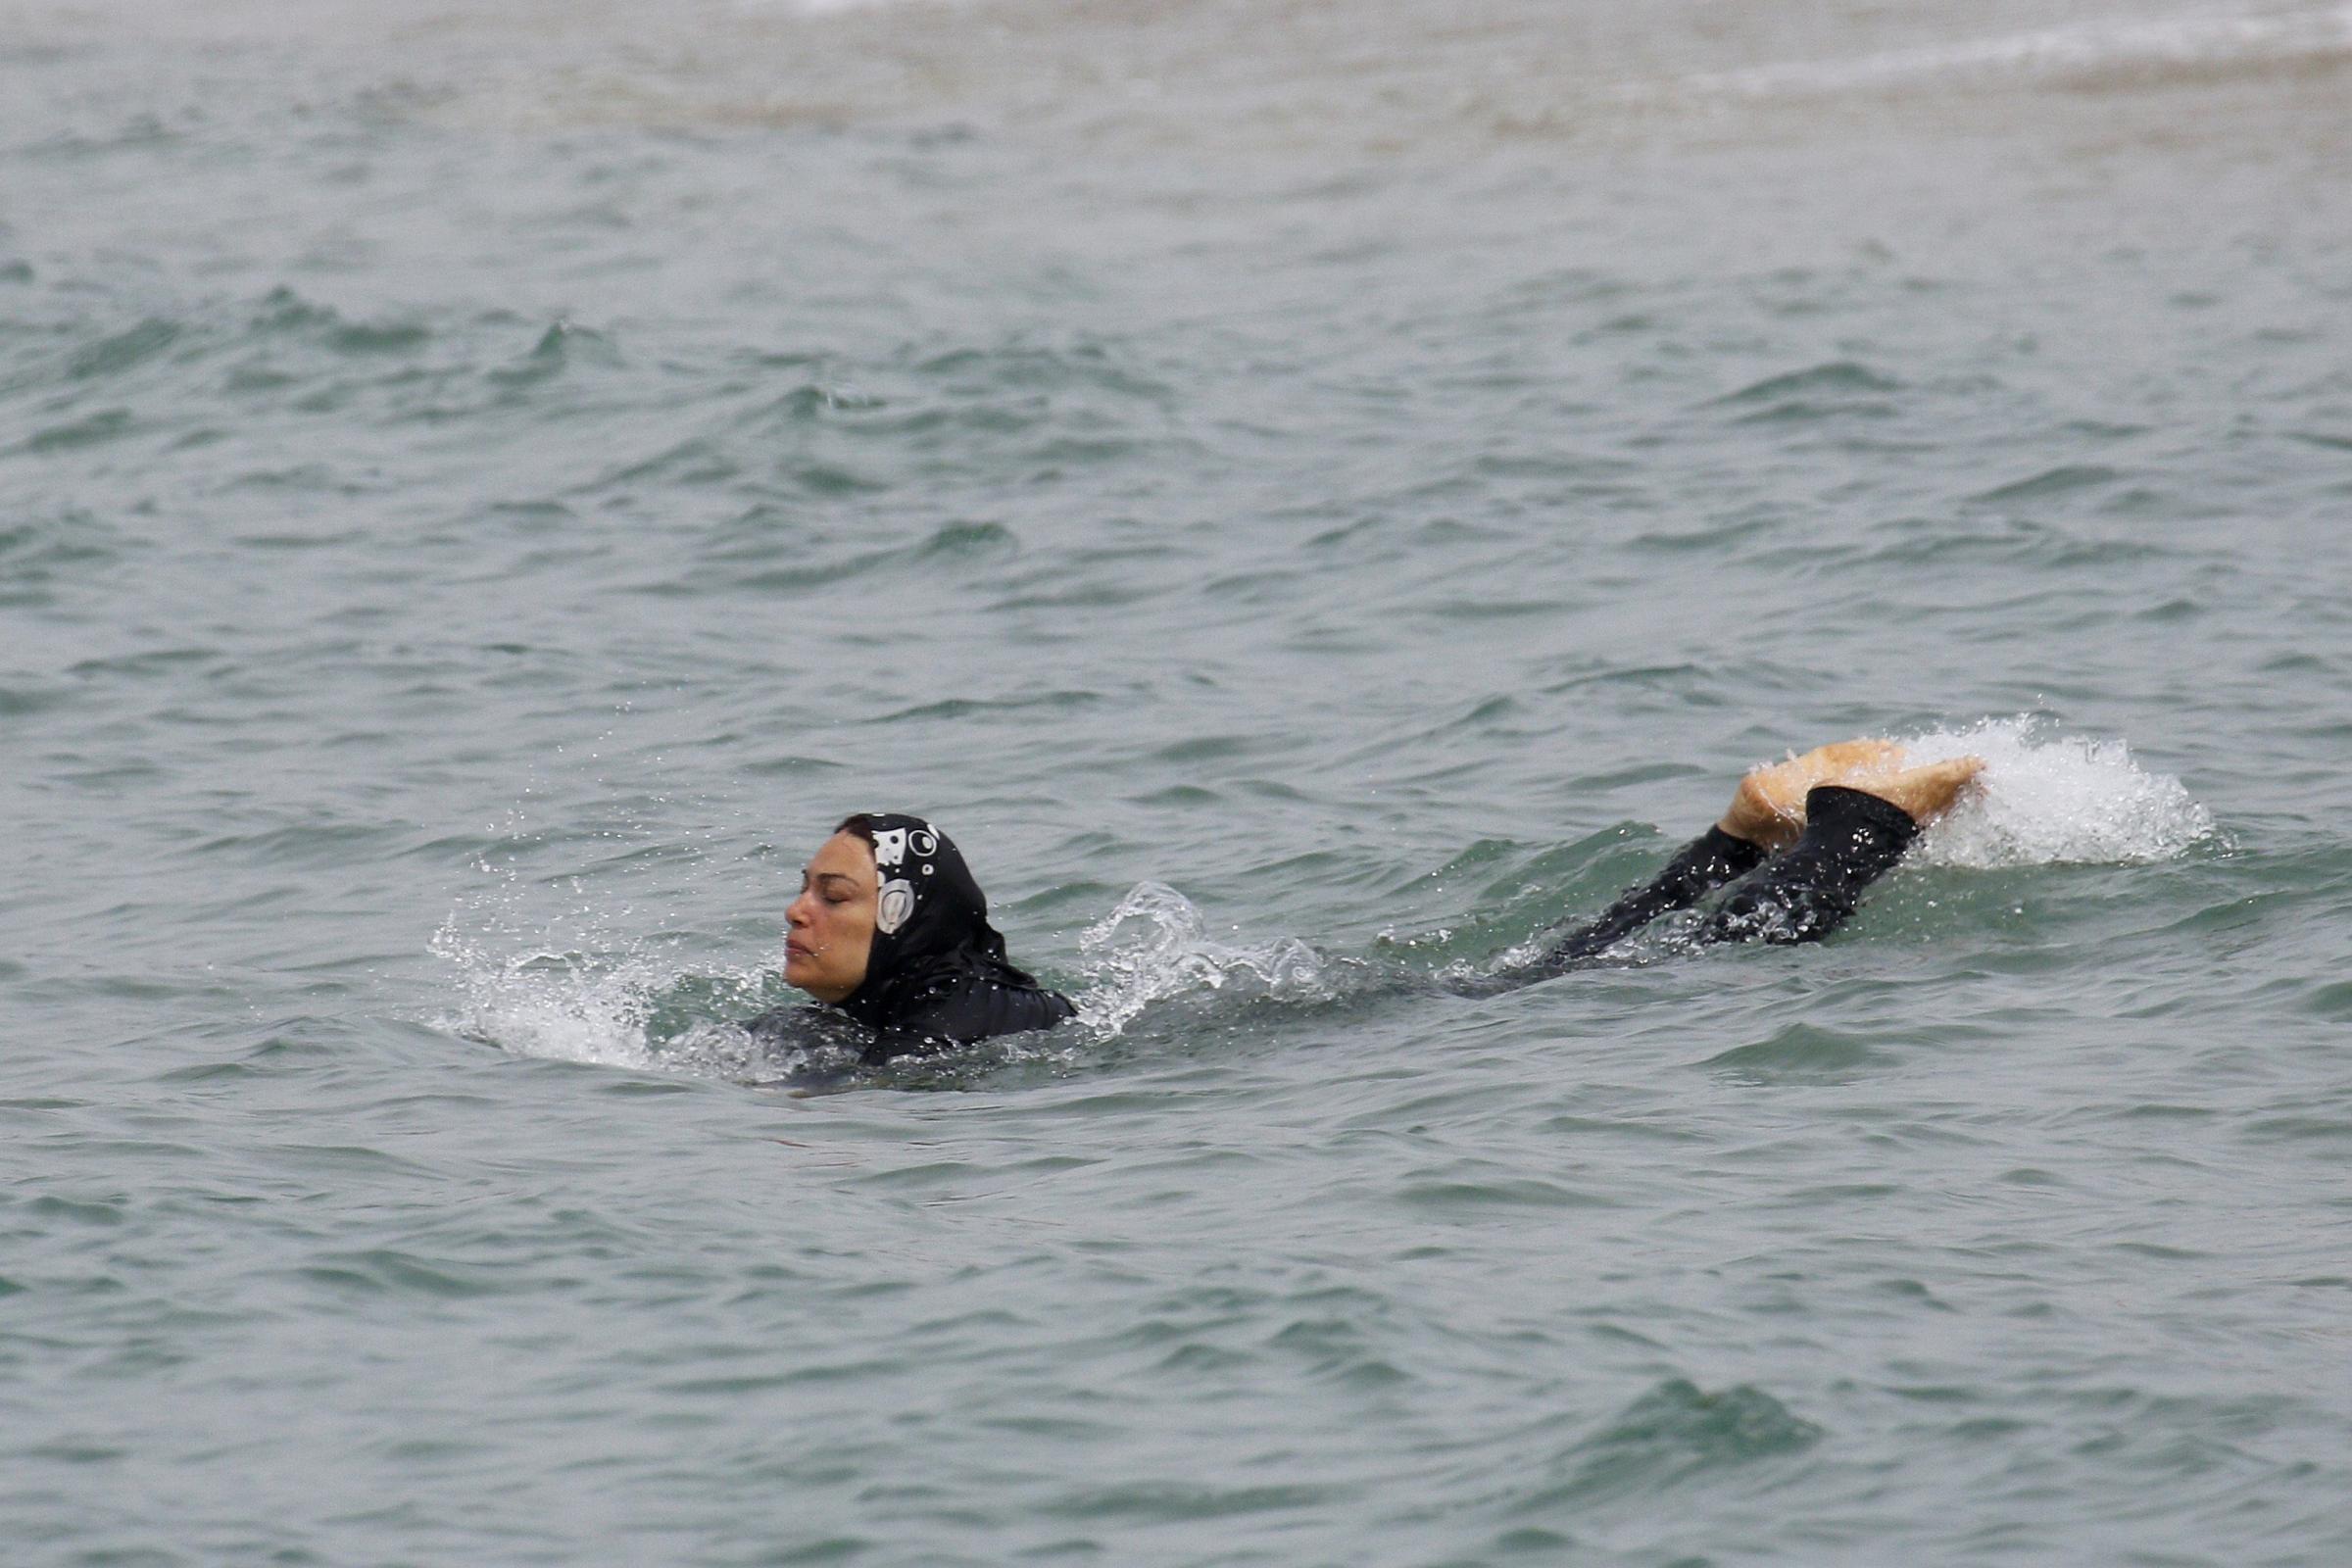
(778, 1022)
(975, 1007)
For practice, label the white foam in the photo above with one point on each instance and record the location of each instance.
(587, 1005)
(2189, 41)
(542, 1003)
(1156, 945)
(2047, 798)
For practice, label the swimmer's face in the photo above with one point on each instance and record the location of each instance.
(830, 927)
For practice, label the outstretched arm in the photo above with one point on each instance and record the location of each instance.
(1703, 866)
(1766, 814)
(1846, 814)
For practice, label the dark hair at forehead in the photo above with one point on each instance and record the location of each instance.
(857, 825)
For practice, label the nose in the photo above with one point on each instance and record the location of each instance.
(796, 913)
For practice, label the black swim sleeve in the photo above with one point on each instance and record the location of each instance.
(1703, 866)
(1850, 838)
(974, 1007)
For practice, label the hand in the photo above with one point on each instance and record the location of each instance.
(1925, 792)
(1769, 809)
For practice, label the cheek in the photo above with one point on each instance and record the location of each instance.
(839, 932)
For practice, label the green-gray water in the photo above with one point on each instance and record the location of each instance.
(1305, 492)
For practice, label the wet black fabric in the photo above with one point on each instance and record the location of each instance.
(1850, 838)
(1703, 866)
(937, 975)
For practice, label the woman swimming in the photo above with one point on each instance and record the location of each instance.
(890, 932)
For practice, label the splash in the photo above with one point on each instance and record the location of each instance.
(634, 1008)
(574, 939)
(2047, 799)
(1156, 945)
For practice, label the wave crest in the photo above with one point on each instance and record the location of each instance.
(1156, 945)
(2108, 52)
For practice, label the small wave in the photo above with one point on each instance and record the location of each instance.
(1833, 378)
(1156, 945)
(2064, 480)
(2047, 799)
(814, 8)
(1675, 1432)
(2090, 54)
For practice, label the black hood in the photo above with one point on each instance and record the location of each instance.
(930, 919)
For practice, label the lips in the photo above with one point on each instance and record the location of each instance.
(795, 949)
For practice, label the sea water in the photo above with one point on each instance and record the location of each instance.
(1311, 495)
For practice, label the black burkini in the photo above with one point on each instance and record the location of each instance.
(938, 976)
(1849, 839)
